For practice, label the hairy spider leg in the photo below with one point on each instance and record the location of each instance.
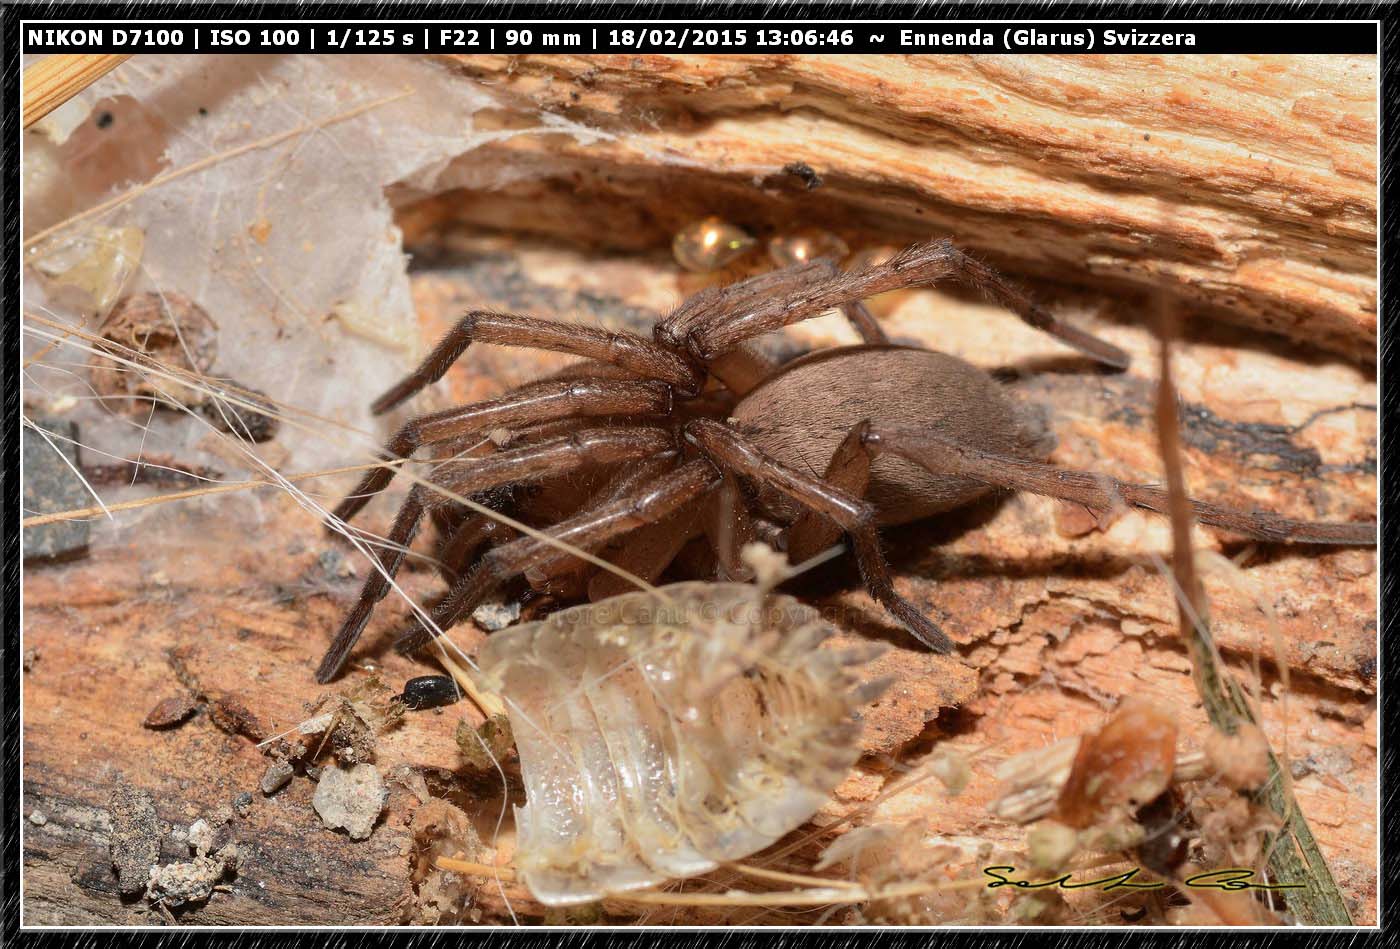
(586, 530)
(849, 470)
(625, 483)
(463, 532)
(721, 328)
(628, 350)
(648, 551)
(544, 401)
(470, 475)
(460, 547)
(718, 302)
(1102, 493)
(857, 517)
(376, 585)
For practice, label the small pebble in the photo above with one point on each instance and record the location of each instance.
(494, 617)
(50, 485)
(350, 798)
(242, 802)
(275, 777)
(201, 837)
(38, 818)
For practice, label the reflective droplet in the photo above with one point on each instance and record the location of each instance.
(709, 244)
(804, 245)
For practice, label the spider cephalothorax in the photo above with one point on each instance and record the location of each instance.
(648, 445)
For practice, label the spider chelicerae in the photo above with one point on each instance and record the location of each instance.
(649, 444)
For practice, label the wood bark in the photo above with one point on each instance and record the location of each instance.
(1243, 185)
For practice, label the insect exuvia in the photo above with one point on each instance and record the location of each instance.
(648, 444)
(663, 734)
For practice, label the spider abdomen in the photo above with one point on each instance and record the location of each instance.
(800, 415)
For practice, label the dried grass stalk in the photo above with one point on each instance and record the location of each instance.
(1293, 854)
(54, 80)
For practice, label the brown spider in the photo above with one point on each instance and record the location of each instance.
(693, 434)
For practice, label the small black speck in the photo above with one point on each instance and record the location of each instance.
(1146, 137)
(203, 110)
(105, 119)
(803, 171)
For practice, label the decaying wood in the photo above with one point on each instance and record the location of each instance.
(1056, 618)
(1245, 185)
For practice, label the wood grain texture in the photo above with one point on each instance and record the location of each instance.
(1246, 185)
(55, 79)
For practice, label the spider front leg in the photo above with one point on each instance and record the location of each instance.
(536, 403)
(588, 531)
(719, 329)
(717, 304)
(855, 516)
(626, 350)
(376, 585)
(1102, 493)
(467, 476)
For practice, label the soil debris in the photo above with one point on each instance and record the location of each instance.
(135, 843)
(200, 836)
(351, 720)
(171, 711)
(350, 799)
(276, 777)
(240, 411)
(194, 881)
(487, 744)
(233, 717)
(1125, 764)
(168, 327)
(1242, 759)
(441, 829)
